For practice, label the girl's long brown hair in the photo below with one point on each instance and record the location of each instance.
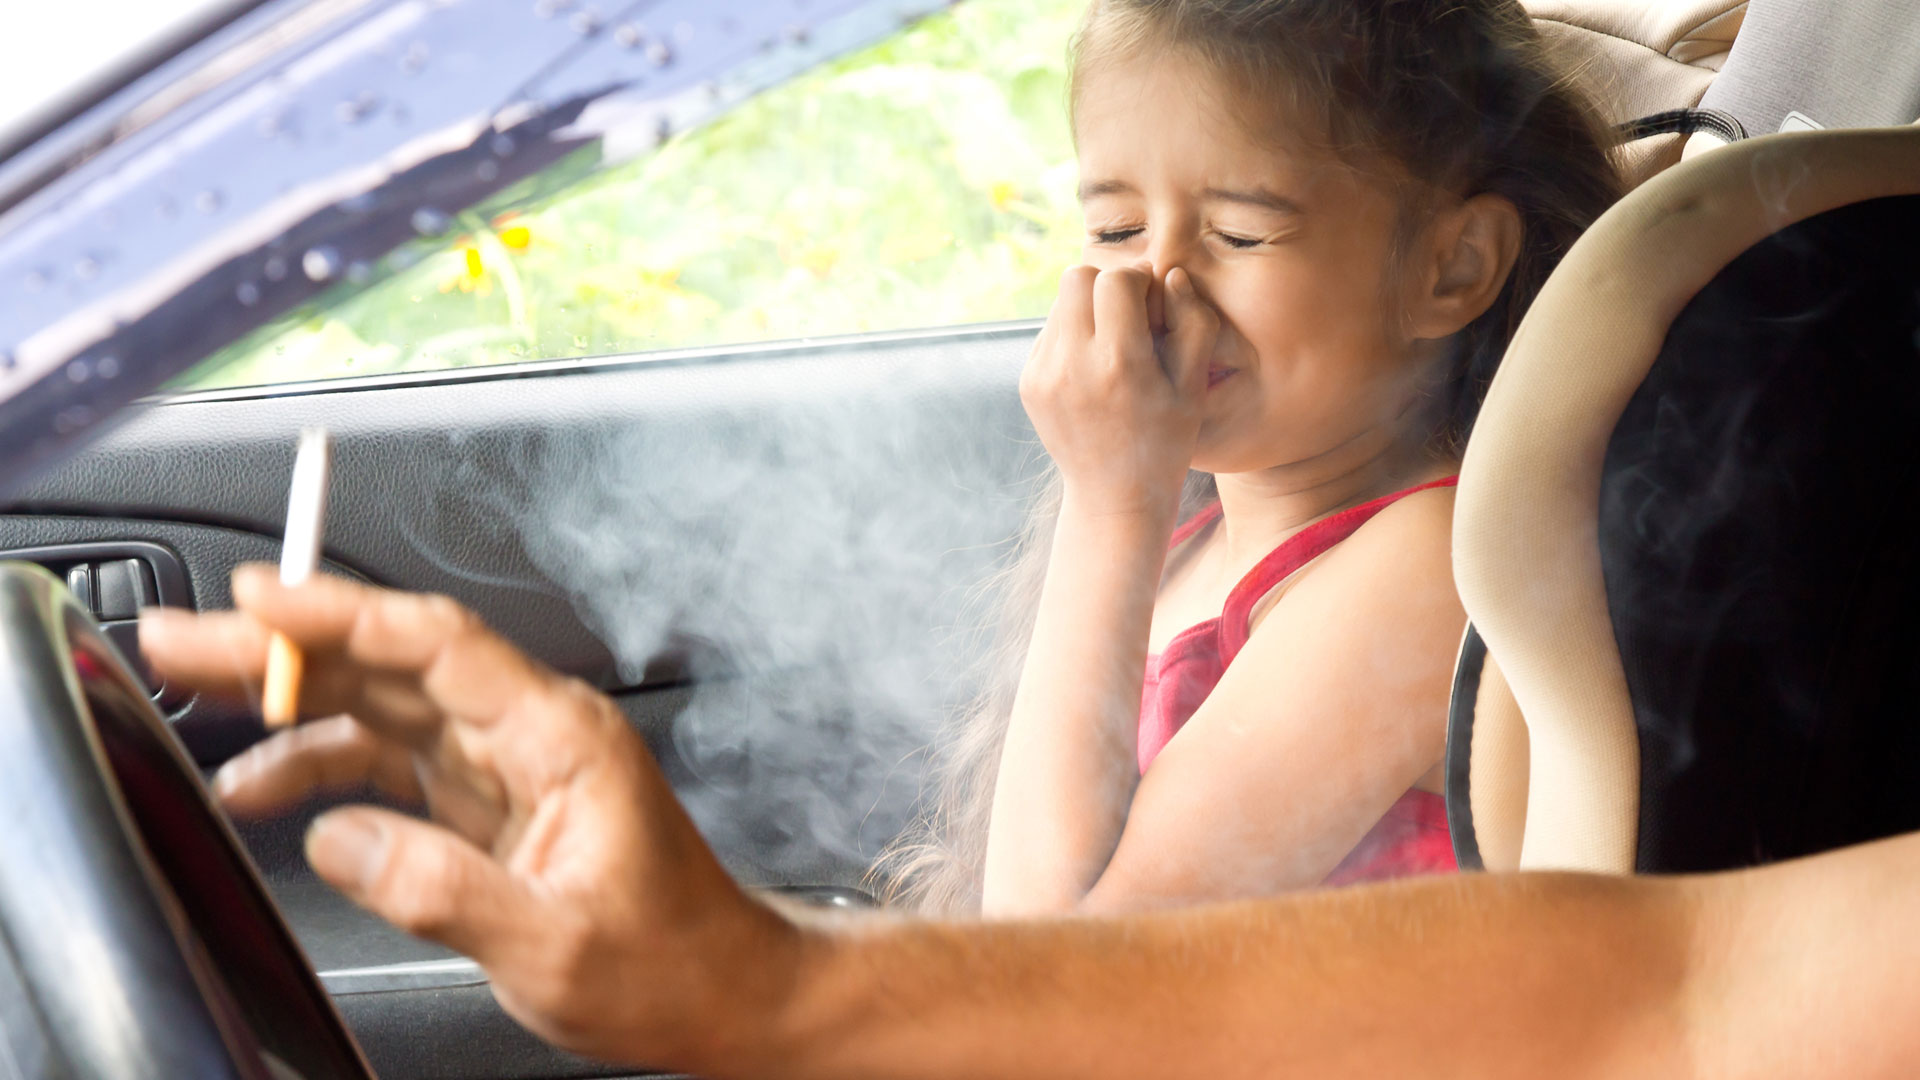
(1460, 95)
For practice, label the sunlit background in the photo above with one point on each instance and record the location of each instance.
(926, 181)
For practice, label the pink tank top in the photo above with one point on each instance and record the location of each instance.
(1412, 838)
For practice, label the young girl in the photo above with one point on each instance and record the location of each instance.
(1311, 227)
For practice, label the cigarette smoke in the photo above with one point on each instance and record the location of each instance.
(819, 553)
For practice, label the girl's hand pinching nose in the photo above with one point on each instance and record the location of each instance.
(557, 856)
(1118, 407)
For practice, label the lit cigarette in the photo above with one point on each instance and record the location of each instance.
(299, 558)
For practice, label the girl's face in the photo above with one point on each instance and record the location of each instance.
(1291, 246)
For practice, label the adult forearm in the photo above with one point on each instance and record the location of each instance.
(1812, 968)
(1484, 977)
(1068, 768)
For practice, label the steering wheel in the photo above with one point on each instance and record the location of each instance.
(136, 940)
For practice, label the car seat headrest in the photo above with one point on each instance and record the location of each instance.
(1678, 510)
(1853, 64)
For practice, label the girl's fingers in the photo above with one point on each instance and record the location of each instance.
(325, 755)
(1192, 327)
(1073, 306)
(1120, 307)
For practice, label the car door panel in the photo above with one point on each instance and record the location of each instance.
(425, 479)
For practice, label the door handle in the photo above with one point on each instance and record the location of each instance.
(113, 580)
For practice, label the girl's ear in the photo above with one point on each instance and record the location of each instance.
(1461, 265)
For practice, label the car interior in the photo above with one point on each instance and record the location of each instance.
(1686, 582)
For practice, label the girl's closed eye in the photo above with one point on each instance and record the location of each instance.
(1237, 242)
(1115, 236)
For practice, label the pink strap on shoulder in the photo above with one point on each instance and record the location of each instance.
(1194, 524)
(1300, 549)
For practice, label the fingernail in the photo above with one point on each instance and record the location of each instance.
(1177, 282)
(226, 780)
(346, 847)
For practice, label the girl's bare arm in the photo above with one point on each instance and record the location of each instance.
(1119, 421)
(1335, 708)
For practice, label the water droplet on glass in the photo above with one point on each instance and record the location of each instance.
(662, 130)
(167, 208)
(711, 89)
(78, 371)
(107, 367)
(798, 34)
(320, 264)
(208, 201)
(658, 54)
(361, 203)
(399, 114)
(579, 341)
(487, 171)
(7, 361)
(502, 145)
(358, 108)
(516, 349)
(429, 222)
(547, 9)
(414, 60)
(359, 272)
(86, 268)
(628, 36)
(38, 279)
(275, 269)
(248, 294)
(587, 23)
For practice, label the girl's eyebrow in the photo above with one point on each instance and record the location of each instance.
(1095, 188)
(1259, 197)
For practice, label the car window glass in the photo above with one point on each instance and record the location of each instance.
(926, 181)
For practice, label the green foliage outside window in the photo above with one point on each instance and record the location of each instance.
(925, 181)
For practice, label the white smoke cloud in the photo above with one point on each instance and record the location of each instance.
(821, 552)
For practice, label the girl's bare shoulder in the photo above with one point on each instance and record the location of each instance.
(1398, 565)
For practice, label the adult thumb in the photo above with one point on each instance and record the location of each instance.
(424, 879)
(1192, 326)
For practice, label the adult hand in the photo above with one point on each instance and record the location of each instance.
(1116, 405)
(558, 857)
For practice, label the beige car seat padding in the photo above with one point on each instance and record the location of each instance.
(1636, 58)
(1526, 549)
(1625, 82)
(1497, 771)
(1688, 31)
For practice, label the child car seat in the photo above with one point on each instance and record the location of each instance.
(1686, 530)
(1640, 58)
